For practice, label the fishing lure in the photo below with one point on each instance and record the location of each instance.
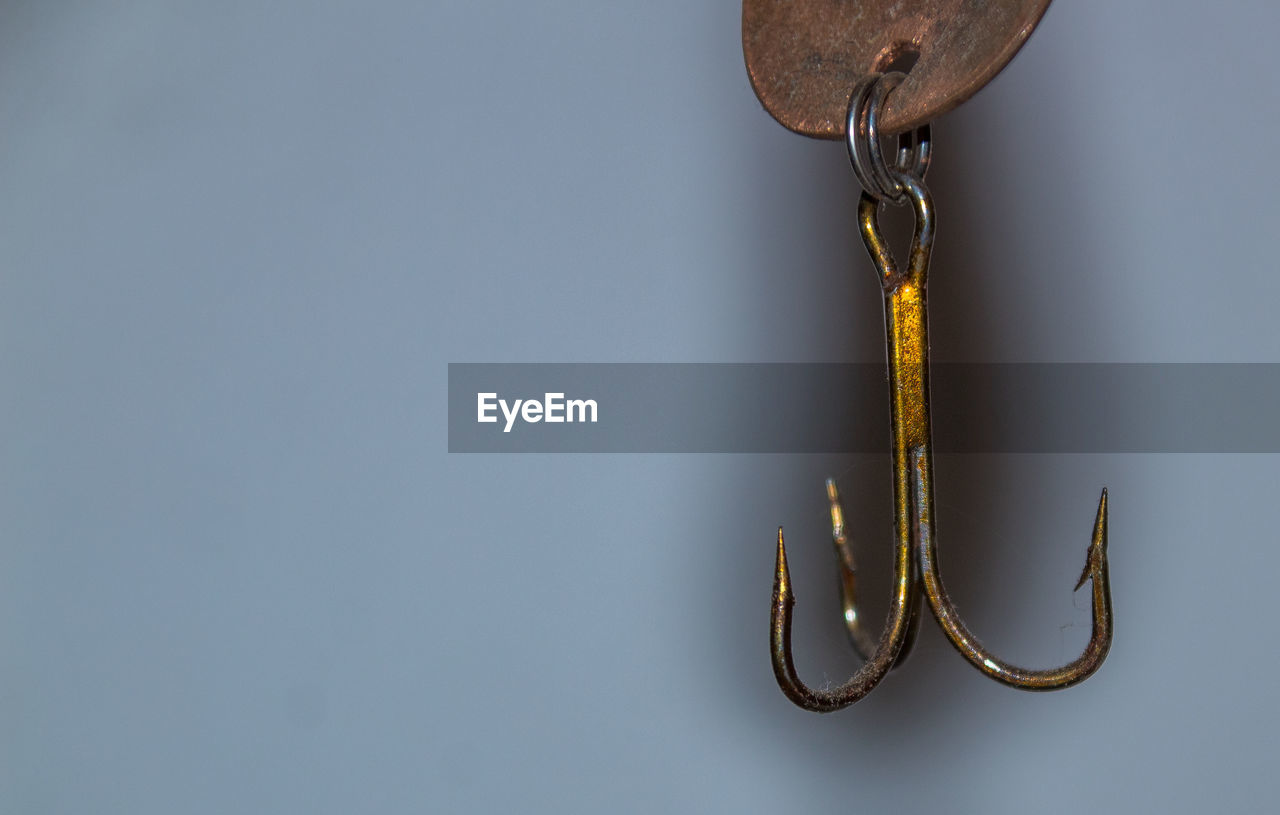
(826, 68)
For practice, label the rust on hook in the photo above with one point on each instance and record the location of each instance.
(916, 571)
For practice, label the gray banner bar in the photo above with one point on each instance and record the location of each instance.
(840, 408)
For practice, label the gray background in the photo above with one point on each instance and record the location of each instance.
(239, 572)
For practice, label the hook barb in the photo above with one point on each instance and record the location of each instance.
(1095, 562)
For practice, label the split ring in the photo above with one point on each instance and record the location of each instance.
(878, 178)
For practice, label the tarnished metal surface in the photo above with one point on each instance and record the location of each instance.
(916, 571)
(804, 56)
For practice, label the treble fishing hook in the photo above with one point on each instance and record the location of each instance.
(915, 569)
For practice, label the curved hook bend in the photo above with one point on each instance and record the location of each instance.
(1072, 673)
(896, 628)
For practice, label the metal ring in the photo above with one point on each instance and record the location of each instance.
(856, 139)
(878, 178)
(868, 137)
(915, 150)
